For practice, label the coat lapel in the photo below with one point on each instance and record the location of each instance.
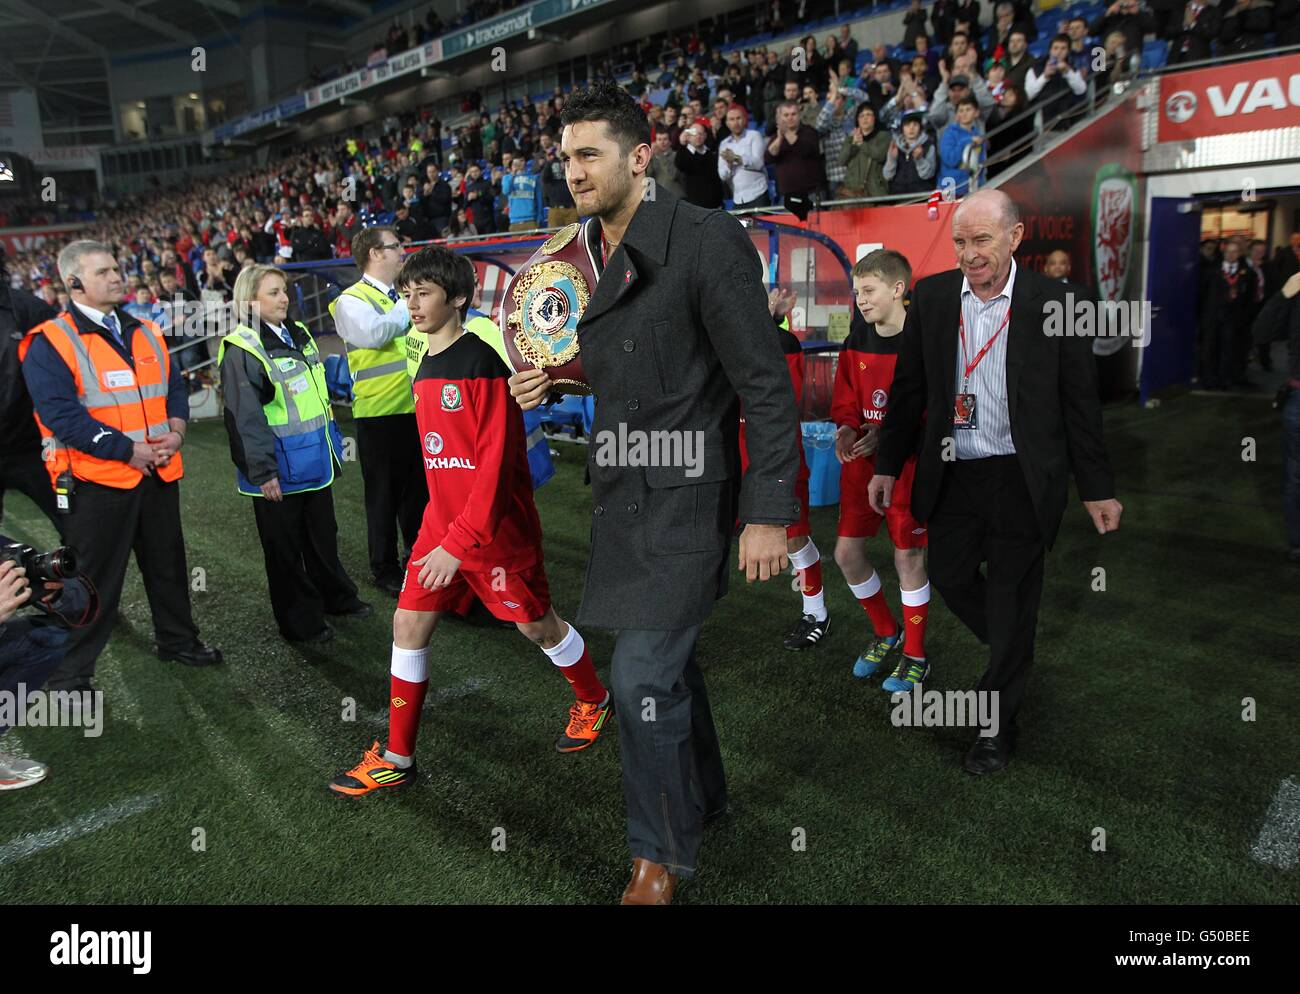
(1025, 322)
(647, 232)
(947, 338)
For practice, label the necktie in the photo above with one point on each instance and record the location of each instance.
(284, 333)
(392, 295)
(110, 322)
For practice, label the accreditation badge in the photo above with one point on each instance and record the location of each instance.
(964, 412)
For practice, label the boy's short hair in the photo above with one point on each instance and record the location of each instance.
(968, 101)
(442, 266)
(892, 267)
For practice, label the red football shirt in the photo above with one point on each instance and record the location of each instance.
(472, 439)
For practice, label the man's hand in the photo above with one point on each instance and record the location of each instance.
(1105, 514)
(167, 445)
(530, 387)
(762, 552)
(879, 492)
(15, 590)
(1292, 286)
(143, 458)
(271, 489)
(437, 569)
(780, 302)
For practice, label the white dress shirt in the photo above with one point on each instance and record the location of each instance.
(362, 327)
(747, 181)
(988, 381)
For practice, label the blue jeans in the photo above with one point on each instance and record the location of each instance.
(1291, 471)
(29, 653)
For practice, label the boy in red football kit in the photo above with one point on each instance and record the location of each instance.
(480, 531)
(814, 622)
(862, 381)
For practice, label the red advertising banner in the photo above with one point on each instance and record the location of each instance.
(17, 240)
(1244, 96)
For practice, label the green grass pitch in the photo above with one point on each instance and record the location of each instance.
(1133, 724)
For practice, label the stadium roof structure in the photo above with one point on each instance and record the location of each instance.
(62, 48)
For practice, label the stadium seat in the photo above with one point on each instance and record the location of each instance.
(1154, 54)
(568, 412)
(1038, 48)
(338, 378)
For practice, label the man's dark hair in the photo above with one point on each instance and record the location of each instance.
(442, 266)
(1062, 37)
(604, 100)
(1018, 31)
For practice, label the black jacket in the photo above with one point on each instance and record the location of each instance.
(1279, 318)
(309, 244)
(701, 184)
(20, 312)
(675, 338)
(1051, 395)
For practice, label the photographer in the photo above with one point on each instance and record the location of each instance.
(31, 649)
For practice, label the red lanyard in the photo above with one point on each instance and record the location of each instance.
(971, 364)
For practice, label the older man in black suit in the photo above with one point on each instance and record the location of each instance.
(1012, 411)
(671, 346)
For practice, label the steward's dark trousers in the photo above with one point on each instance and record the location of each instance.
(392, 470)
(301, 549)
(25, 472)
(985, 514)
(106, 525)
(672, 766)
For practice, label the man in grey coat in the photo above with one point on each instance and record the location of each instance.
(675, 339)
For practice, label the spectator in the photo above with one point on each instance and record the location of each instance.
(810, 105)
(522, 193)
(796, 154)
(911, 160)
(961, 149)
(924, 76)
(698, 163)
(999, 33)
(1266, 284)
(740, 161)
(1013, 122)
(1076, 28)
(408, 228)
(307, 241)
(1190, 30)
(1018, 59)
(21, 466)
(555, 189)
(848, 46)
(479, 200)
(863, 157)
(1247, 25)
(1280, 319)
(951, 92)
(832, 124)
(662, 168)
(1130, 18)
(913, 24)
(961, 56)
(1053, 85)
(881, 88)
(943, 16)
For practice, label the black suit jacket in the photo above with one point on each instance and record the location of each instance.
(1051, 393)
(676, 336)
(20, 312)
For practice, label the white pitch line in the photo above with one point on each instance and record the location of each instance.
(37, 842)
(1279, 840)
(468, 686)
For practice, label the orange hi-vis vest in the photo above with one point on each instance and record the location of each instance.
(134, 401)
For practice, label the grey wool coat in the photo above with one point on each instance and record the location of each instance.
(676, 338)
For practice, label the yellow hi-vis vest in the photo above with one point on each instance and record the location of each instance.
(487, 329)
(307, 439)
(379, 382)
(417, 342)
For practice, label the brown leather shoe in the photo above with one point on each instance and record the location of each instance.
(650, 884)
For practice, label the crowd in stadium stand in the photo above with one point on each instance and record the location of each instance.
(956, 99)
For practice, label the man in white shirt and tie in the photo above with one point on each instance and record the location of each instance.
(372, 321)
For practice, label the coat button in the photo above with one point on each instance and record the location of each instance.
(633, 404)
(629, 345)
(598, 510)
(632, 508)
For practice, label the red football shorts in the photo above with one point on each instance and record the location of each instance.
(857, 519)
(520, 596)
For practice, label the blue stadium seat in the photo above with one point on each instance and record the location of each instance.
(1154, 54)
(338, 377)
(567, 412)
(1038, 48)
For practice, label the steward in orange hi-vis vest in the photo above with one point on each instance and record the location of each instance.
(131, 400)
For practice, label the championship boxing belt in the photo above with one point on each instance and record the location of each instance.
(546, 298)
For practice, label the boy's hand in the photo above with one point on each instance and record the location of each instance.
(437, 569)
(530, 387)
(845, 442)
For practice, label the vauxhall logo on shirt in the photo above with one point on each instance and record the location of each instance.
(434, 460)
